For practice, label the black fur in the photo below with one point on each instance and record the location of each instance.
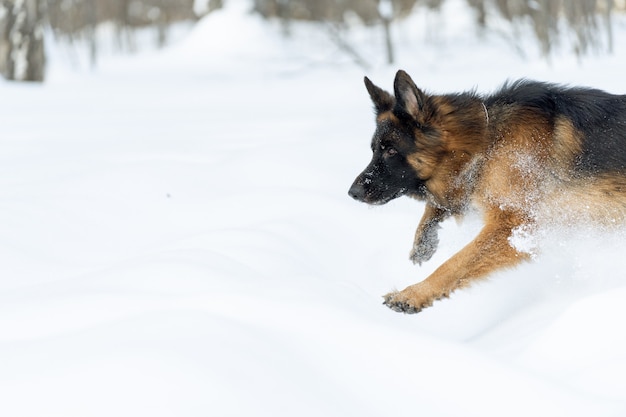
(599, 116)
(530, 153)
(389, 174)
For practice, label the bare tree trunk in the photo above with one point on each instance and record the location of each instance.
(388, 43)
(92, 23)
(609, 27)
(385, 10)
(22, 55)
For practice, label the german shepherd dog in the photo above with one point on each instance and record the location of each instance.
(532, 153)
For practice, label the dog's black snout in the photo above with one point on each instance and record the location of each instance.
(357, 191)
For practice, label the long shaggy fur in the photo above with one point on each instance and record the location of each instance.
(532, 152)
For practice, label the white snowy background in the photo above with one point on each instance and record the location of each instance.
(176, 239)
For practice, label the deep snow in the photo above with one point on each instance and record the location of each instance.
(177, 240)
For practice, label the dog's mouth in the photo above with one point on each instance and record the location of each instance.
(386, 199)
(420, 192)
(373, 199)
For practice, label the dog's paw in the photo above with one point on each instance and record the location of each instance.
(425, 246)
(401, 304)
(410, 301)
(422, 253)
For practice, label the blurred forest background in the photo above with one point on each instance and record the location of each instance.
(26, 25)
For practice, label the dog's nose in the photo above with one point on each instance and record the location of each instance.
(357, 191)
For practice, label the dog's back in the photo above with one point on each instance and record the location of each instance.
(565, 147)
(597, 117)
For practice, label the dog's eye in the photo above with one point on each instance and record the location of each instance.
(390, 151)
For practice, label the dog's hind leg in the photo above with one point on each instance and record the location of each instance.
(488, 252)
(426, 239)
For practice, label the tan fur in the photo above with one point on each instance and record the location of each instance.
(521, 162)
(521, 178)
(387, 116)
(490, 250)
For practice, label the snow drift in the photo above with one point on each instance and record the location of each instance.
(177, 240)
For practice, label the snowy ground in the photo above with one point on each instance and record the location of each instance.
(177, 240)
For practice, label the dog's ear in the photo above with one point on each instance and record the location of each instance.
(410, 100)
(383, 101)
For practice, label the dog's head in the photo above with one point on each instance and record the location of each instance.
(406, 146)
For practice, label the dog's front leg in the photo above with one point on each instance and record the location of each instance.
(488, 252)
(426, 238)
